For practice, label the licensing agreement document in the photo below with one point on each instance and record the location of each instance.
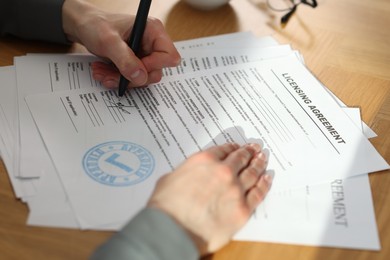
(338, 213)
(110, 152)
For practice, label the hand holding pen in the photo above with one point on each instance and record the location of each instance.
(105, 34)
(136, 38)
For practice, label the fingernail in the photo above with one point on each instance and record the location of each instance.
(138, 77)
(262, 156)
(268, 177)
(255, 146)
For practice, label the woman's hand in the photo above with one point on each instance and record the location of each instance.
(104, 34)
(214, 192)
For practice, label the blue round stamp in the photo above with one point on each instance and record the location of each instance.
(118, 163)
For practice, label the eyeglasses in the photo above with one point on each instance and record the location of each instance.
(291, 10)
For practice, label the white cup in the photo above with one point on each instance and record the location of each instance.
(206, 4)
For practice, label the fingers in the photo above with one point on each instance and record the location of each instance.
(254, 180)
(109, 75)
(250, 175)
(250, 163)
(159, 47)
(128, 64)
(222, 151)
(240, 158)
(157, 52)
(159, 60)
(258, 192)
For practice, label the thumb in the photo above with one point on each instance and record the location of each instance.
(128, 64)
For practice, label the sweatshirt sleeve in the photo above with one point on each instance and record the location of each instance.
(151, 235)
(33, 19)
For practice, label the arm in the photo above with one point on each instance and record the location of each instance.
(101, 32)
(151, 235)
(37, 19)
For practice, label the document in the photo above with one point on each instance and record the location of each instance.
(70, 72)
(9, 127)
(337, 214)
(326, 213)
(227, 41)
(171, 120)
(67, 70)
(198, 60)
(73, 72)
(367, 131)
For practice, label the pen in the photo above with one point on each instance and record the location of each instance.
(135, 39)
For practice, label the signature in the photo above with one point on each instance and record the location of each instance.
(119, 105)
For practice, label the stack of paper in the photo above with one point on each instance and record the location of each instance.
(80, 158)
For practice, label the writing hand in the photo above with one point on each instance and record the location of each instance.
(104, 34)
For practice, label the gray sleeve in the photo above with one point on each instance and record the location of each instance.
(151, 235)
(32, 19)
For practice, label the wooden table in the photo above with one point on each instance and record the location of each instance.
(346, 44)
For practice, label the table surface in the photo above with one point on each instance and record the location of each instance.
(346, 44)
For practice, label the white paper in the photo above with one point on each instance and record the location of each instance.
(337, 214)
(227, 41)
(71, 72)
(51, 200)
(8, 133)
(205, 59)
(311, 222)
(367, 131)
(27, 72)
(149, 119)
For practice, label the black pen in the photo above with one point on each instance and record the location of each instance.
(136, 37)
